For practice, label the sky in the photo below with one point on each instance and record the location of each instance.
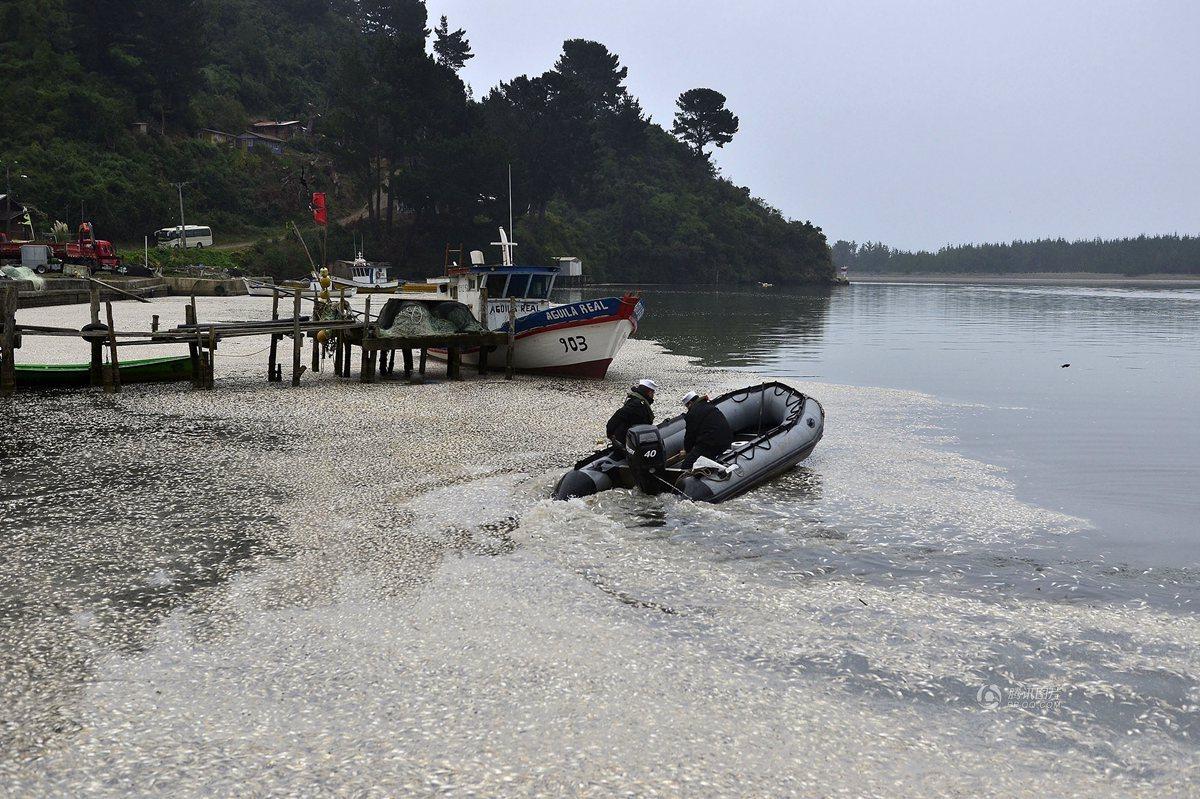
(918, 124)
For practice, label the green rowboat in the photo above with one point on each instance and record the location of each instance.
(66, 375)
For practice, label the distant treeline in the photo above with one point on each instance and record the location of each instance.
(1144, 255)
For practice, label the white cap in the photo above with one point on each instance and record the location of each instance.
(648, 383)
(688, 397)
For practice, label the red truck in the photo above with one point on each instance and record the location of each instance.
(96, 254)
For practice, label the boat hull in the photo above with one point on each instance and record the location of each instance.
(259, 289)
(73, 375)
(578, 339)
(354, 286)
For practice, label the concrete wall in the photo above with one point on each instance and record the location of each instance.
(204, 287)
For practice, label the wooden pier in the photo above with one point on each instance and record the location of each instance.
(377, 353)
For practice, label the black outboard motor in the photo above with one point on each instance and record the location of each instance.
(647, 458)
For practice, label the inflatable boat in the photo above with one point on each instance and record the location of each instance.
(774, 428)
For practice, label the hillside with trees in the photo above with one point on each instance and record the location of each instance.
(1143, 255)
(107, 103)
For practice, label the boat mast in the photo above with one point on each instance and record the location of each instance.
(505, 244)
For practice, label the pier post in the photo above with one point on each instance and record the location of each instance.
(112, 381)
(210, 372)
(483, 360)
(96, 372)
(297, 340)
(189, 318)
(453, 363)
(512, 338)
(366, 371)
(424, 357)
(408, 363)
(337, 356)
(366, 368)
(154, 323)
(8, 359)
(316, 353)
(273, 375)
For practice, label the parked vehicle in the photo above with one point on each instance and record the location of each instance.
(96, 254)
(189, 236)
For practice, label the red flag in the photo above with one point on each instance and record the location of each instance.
(320, 215)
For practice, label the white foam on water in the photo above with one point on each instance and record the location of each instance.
(430, 623)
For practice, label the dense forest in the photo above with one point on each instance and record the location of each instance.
(107, 103)
(1144, 255)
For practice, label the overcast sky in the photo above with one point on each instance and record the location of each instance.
(913, 123)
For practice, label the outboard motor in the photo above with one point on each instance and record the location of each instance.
(647, 458)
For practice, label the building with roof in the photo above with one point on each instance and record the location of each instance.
(251, 140)
(284, 130)
(216, 136)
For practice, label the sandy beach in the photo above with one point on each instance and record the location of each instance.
(361, 590)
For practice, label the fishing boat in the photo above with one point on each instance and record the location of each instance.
(366, 278)
(775, 427)
(576, 339)
(309, 289)
(68, 375)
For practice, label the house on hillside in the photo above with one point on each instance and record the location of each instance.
(284, 130)
(251, 140)
(216, 137)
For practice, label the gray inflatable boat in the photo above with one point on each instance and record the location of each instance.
(774, 428)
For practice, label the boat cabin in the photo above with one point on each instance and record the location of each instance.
(369, 274)
(495, 284)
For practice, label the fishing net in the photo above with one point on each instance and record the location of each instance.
(24, 273)
(460, 316)
(403, 319)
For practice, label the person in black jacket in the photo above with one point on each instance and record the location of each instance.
(636, 410)
(707, 434)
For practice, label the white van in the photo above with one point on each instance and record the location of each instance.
(196, 236)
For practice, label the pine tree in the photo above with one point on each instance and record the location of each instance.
(451, 48)
(703, 119)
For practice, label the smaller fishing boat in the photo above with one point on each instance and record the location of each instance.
(71, 375)
(366, 278)
(774, 427)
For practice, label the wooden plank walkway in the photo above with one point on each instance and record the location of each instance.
(377, 353)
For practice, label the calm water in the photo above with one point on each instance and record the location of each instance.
(1113, 439)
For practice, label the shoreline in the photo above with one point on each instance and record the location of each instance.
(1088, 279)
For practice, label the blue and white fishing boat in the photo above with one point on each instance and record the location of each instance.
(578, 339)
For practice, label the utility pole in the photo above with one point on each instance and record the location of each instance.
(7, 197)
(182, 226)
